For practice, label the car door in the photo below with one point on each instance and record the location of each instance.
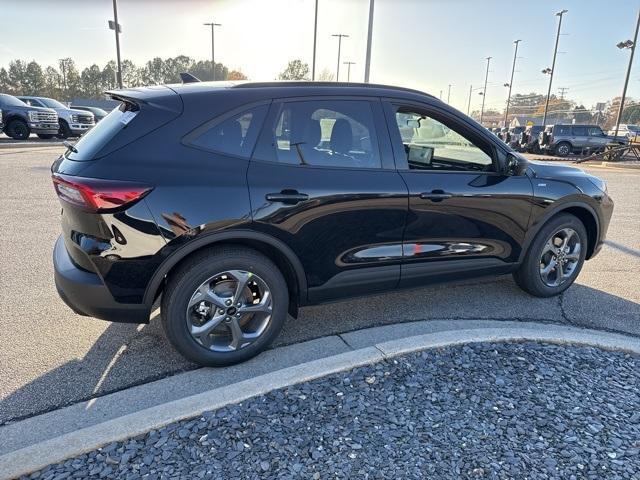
(580, 137)
(597, 138)
(465, 217)
(322, 179)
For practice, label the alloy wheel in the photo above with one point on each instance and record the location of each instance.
(229, 311)
(560, 257)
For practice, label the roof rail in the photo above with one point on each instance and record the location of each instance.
(306, 83)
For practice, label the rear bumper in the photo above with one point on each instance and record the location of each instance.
(86, 294)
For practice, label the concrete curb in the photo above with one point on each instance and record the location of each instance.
(38, 456)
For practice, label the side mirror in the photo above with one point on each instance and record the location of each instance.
(515, 166)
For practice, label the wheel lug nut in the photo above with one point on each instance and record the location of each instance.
(238, 314)
(221, 311)
(228, 302)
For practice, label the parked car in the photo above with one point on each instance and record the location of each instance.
(73, 123)
(98, 113)
(632, 132)
(239, 204)
(21, 120)
(562, 140)
(516, 134)
(529, 141)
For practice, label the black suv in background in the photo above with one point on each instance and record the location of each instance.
(21, 120)
(237, 204)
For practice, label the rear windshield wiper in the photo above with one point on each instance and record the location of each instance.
(70, 146)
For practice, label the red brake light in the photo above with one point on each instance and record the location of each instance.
(95, 194)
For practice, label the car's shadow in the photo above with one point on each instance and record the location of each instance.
(126, 355)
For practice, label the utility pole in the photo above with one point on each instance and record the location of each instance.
(484, 91)
(315, 36)
(513, 69)
(553, 66)
(562, 91)
(114, 25)
(367, 62)
(213, 48)
(449, 94)
(340, 37)
(469, 104)
(632, 45)
(348, 64)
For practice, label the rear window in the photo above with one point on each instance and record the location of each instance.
(93, 141)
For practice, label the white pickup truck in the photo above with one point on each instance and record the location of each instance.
(73, 123)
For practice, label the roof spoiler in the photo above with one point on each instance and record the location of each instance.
(188, 78)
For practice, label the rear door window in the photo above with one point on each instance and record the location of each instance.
(579, 131)
(325, 133)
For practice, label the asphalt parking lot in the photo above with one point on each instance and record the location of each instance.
(51, 357)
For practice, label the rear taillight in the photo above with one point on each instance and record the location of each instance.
(98, 195)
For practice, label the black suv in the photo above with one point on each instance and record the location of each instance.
(238, 203)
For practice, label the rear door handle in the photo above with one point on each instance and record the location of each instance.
(289, 197)
(435, 196)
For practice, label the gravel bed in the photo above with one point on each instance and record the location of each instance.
(492, 410)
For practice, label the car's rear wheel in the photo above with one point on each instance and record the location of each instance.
(18, 130)
(563, 149)
(224, 306)
(555, 257)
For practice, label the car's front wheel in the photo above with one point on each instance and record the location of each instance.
(563, 149)
(224, 305)
(18, 130)
(555, 257)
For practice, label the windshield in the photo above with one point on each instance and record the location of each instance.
(633, 128)
(51, 103)
(11, 101)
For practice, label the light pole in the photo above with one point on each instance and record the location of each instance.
(340, 37)
(631, 44)
(213, 49)
(551, 70)
(367, 61)
(348, 64)
(315, 36)
(513, 69)
(449, 93)
(484, 90)
(471, 90)
(114, 25)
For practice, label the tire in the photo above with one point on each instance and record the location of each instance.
(562, 149)
(65, 131)
(183, 287)
(529, 275)
(18, 130)
(45, 136)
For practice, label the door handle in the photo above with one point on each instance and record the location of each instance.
(289, 197)
(436, 195)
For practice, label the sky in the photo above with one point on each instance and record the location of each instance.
(423, 44)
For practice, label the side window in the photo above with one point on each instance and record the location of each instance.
(328, 133)
(580, 131)
(235, 136)
(562, 130)
(595, 132)
(431, 145)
